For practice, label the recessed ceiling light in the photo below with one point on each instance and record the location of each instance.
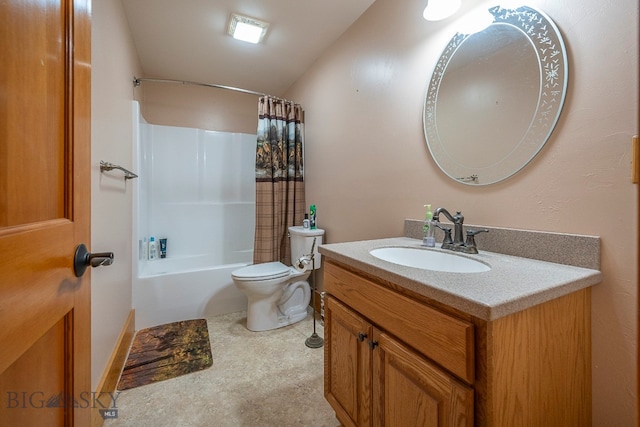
(247, 29)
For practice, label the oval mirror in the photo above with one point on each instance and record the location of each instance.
(495, 96)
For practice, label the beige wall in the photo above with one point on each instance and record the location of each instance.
(114, 63)
(367, 167)
(199, 107)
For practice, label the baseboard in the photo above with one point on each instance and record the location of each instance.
(109, 380)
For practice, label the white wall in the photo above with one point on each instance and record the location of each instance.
(114, 63)
(367, 167)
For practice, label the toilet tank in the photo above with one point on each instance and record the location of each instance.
(301, 242)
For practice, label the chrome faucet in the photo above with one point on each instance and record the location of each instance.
(458, 243)
(457, 220)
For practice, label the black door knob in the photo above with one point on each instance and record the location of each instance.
(83, 259)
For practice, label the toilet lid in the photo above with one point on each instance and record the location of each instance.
(263, 271)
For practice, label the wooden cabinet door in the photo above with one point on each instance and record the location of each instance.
(45, 324)
(347, 364)
(408, 390)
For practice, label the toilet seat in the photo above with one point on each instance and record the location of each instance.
(263, 271)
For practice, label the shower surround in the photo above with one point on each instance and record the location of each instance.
(197, 189)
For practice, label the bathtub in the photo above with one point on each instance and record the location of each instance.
(173, 289)
(197, 189)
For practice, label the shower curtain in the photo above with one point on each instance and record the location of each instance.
(280, 201)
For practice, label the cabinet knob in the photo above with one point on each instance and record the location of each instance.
(361, 336)
(373, 344)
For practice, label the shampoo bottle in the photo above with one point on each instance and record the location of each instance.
(428, 232)
(153, 248)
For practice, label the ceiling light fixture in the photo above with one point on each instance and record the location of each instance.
(437, 10)
(247, 29)
(475, 21)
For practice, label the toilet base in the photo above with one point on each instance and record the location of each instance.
(256, 322)
(292, 318)
(265, 315)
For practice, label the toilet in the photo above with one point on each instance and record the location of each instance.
(278, 295)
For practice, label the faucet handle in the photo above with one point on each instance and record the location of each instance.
(447, 232)
(470, 244)
(447, 242)
(471, 233)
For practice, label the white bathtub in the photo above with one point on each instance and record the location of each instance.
(173, 289)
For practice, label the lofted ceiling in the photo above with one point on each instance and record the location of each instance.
(187, 39)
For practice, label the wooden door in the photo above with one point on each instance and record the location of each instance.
(347, 364)
(409, 390)
(45, 84)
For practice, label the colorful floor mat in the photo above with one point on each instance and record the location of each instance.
(167, 351)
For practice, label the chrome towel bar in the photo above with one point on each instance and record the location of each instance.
(106, 166)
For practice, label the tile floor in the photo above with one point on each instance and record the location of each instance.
(257, 379)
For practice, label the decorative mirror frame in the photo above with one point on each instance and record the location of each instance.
(552, 58)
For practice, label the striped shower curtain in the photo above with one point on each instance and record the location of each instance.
(280, 200)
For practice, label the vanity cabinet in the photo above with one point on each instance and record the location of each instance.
(374, 379)
(397, 359)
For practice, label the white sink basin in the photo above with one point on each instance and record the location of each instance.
(430, 260)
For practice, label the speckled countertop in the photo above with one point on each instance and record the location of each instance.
(513, 283)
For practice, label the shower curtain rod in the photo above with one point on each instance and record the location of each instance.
(137, 81)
